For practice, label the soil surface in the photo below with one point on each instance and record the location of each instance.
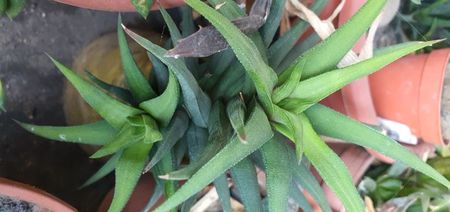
(34, 90)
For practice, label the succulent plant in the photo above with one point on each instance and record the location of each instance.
(252, 104)
(11, 7)
(2, 97)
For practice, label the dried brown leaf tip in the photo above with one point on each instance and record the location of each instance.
(208, 41)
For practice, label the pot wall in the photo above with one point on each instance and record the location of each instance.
(115, 5)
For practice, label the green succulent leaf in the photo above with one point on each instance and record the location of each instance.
(236, 114)
(197, 102)
(331, 168)
(98, 133)
(337, 44)
(296, 51)
(13, 7)
(2, 97)
(278, 174)
(128, 170)
(157, 194)
(121, 93)
(163, 107)
(175, 34)
(223, 191)
(107, 168)
(262, 75)
(143, 7)
(259, 132)
(3, 6)
(246, 182)
(228, 8)
(331, 123)
(136, 81)
(125, 137)
(112, 110)
(173, 133)
(270, 28)
(312, 90)
(297, 195)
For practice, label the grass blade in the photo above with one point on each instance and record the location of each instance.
(260, 132)
(128, 171)
(197, 102)
(262, 75)
(136, 81)
(113, 111)
(331, 168)
(98, 133)
(278, 174)
(246, 182)
(331, 123)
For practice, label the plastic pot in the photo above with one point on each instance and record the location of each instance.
(116, 5)
(409, 91)
(138, 200)
(21, 196)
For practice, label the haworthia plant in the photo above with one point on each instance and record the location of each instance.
(233, 111)
(11, 8)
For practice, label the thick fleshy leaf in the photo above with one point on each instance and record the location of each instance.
(278, 174)
(290, 125)
(223, 191)
(259, 132)
(107, 168)
(296, 51)
(143, 7)
(121, 93)
(297, 195)
(312, 90)
(171, 135)
(98, 133)
(14, 7)
(331, 123)
(167, 164)
(337, 44)
(246, 182)
(125, 137)
(262, 75)
(157, 194)
(175, 34)
(2, 97)
(163, 107)
(128, 170)
(197, 102)
(136, 81)
(236, 114)
(331, 168)
(228, 8)
(160, 72)
(112, 110)
(269, 29)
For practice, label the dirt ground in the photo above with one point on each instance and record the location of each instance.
(34, 90)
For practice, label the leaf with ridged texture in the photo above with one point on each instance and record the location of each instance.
(173, 133)
(128, 171)
(125, 137)
(136, 81)
(223, 191)
(297, 195)
(163, 107)
(98, 133)
(2, 97)
(236, 114)
(121, 93)
(259, 132)
(331, 168)
(246, 182)
(281, 47)
(107, 168)
(197, 102)
(331, 123)
(143, 7)
(337, 44)
(228, 8)
(269, 29)
(159, 73)
(296, 51)
(166, 165)
(312, 90)
(246, 51)
(278, 174)
(197, 139)
(219, 134)
(112, 110)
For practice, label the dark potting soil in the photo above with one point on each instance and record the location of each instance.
(13, 205)
(34, 94)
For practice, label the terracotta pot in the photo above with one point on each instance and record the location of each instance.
(409, 91)
(27, 195)
(138, 199)
(116, 5)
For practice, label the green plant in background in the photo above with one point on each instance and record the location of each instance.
(398, 188)
(426, 21)
(2, 97)
(234, 110)
(11, 8)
